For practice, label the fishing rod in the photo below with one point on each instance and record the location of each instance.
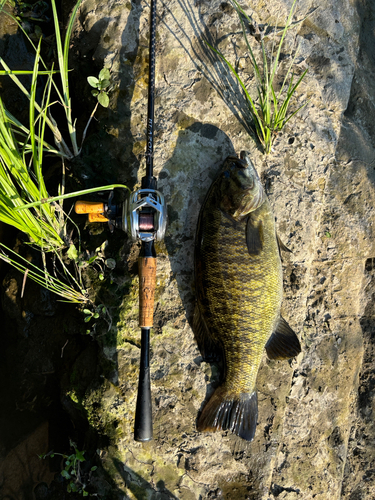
(143, 217)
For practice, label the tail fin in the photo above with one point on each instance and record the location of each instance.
(227, 411)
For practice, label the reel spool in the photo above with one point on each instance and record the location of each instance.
(143, 215)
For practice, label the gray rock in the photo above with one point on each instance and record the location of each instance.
(315, 431)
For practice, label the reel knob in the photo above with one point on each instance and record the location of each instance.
(89, 207)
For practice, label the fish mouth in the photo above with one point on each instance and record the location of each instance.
(244, 157)
(240, 162)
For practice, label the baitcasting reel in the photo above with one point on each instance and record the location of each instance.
(143, 215)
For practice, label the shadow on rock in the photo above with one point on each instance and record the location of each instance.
(139, 486)
(185, 178)
(208, 64)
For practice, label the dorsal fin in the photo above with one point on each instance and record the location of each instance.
(211, 351)
(283, 343)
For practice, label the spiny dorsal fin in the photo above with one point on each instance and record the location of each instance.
(210, 350)
(283, 343)
(254, 237)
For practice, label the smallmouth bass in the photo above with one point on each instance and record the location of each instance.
(239, 290)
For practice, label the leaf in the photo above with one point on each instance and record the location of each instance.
(93, 81)
(79, 455)
(65, 474)
(87, 319)
(87, 311)
(72, 252)
(104, 84)
(96, 315)
(95, 92)
(105, 74)
(38, 31)
(103, 99)
(101, 276)
(74, 487)
(328, 234)
(102, 247)
(93, 468)
(85, 493)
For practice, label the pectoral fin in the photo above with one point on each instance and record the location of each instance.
(283, 343)
(254, 237)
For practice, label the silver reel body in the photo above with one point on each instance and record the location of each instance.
(144, 215)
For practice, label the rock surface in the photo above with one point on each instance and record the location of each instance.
(315, 425)
(316, 430)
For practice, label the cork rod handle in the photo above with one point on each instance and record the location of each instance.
(147, 283)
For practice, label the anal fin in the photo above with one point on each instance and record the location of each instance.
(283, 343)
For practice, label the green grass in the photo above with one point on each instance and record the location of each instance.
(71, 290)
(270, 108)
(61, 87)
(21, 179)
(24, 200)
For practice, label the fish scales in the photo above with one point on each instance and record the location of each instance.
(242, 292)
(239, 291)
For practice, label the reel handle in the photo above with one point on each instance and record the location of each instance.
(89, 207)
(147, 282)
(97, 218)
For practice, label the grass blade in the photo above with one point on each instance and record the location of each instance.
(250, 101)
(72, 195)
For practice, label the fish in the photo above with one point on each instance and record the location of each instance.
(239, 290)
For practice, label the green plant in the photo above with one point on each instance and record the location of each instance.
(94, 314)
(71, 289)
(21, 179)
(62, 49)
(270, 111)
(77, 481)
(24, 200)
(102, 85)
